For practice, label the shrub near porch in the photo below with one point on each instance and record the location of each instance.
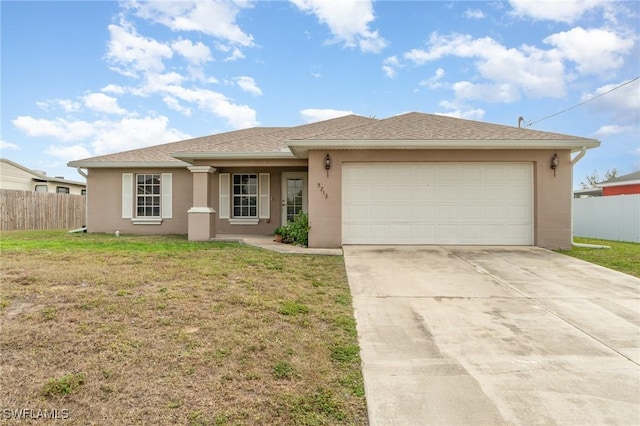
(165, 331)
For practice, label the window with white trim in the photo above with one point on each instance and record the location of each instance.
(42, 188)
(245, 195)
(62, 189)
(148, 195)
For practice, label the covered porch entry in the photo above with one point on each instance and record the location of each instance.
(233, 198)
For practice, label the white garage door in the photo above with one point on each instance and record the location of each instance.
(437, 203)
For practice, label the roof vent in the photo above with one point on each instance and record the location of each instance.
(59, 177)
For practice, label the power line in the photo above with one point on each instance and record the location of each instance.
(582, 103)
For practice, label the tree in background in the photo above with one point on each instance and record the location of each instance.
(591, 180)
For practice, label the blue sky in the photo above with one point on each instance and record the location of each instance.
(86, 78)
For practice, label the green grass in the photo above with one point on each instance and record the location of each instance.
(622, 256)
(176, 332)
(63, 385)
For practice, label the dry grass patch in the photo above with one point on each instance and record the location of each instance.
(159, 330)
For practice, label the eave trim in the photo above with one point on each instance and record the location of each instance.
(268, 155)
(301, 148)
(128, 164)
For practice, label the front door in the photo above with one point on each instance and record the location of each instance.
(294, 195)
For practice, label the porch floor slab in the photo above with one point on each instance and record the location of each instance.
(267, 242)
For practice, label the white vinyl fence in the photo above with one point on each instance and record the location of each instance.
(614, 218)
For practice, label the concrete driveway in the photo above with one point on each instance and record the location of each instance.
(494, 335)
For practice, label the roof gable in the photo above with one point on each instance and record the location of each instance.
(407, 131)
(256, 140)
(419, 126)
(163, 153)
(627, 179)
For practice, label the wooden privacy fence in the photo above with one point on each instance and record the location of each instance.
(27, 210)
(614, 218)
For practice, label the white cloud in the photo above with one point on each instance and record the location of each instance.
(99, 102)
(8, 145)
(155, 82)
(238, 116)
(60, 128)
(248, 84)
(131, 133)
(113, 88)
(595, 51)
(474, 14)
(390, 66)
(613, 129)
(132, 53)
(312, 115)
(173, 104)
(504, 92)
(535, 72)
(434, 81)
(348, 21)
(235, 55)
(67, 105)
(214, 18)
(567, 11)
(470, 114)
(104, 136)
(68, 153)
(196, 54)
(621, 105)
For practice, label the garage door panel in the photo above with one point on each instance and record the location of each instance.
(378, 193)
(401, 176)
(471, 193)
(438, 203)
(447, 192)
(378, 213)
(401, 192)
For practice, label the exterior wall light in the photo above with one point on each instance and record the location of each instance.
(555, 162)
(327, 163)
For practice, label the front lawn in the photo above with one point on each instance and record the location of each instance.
(623, 257)
(160, 330)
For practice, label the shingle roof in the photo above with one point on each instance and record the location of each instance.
(407, 127)
(277, 141)
(623, 178)
(162, 153)
(419, 126)
(255, 139)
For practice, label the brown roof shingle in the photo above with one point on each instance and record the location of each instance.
(419, 126)
(256, 139)
(406, 127)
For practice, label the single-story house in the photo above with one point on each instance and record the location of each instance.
(587, 192)
(621, 185)
(409, 179)
(18, 177)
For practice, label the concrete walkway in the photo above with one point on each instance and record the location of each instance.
(267, 242)
(492, 336)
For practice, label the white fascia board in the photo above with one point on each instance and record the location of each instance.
(66, 181)
(128, 164)
(300, 148)
(619, 183)
(268, 155)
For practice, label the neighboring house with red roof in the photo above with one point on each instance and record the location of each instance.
(409, 179)
(621, 185)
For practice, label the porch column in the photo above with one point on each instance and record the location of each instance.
(201, 216)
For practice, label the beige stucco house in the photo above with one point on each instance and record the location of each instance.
(409, 179)
(18, 177)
